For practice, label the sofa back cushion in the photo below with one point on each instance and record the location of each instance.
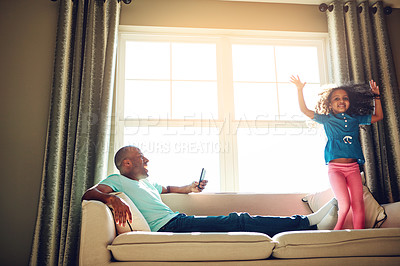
(164, 246)
(392, 211)
(374, 213)
(214, 204)
(138, 221)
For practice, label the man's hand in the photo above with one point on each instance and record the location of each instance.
(196, 188)
(122, 212)
(193, 187)
(100, 192)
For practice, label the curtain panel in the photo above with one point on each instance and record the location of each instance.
(360, 51)
(78, 128)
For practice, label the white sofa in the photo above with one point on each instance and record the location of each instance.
(102, 245)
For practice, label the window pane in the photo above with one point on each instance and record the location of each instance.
(177, 155)
(311, 97)
(147, 99)
(253, 63)
(282, 160)
(147, 60)
(255, 101)
(302, 61)
(194, 100)
(289, 104)
(194, 61)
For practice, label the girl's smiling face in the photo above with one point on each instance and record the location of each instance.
(339, 101)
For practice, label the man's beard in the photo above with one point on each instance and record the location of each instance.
(142, 176)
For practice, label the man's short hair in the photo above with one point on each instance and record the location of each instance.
(121, 155)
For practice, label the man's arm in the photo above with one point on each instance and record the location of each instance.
(100, 192)
(194, 187)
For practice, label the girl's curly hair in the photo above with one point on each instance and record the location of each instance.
(360, 97)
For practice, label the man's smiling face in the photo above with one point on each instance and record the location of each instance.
(136, 164)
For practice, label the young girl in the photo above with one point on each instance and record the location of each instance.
(341, 110)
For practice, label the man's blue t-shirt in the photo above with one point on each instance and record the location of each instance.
(146, 196)
(342, 131)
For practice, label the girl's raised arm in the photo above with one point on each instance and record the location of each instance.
(378, 106)
(303, 107)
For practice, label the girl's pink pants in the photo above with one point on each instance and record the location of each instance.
(345, 179)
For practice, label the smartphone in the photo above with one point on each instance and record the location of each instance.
(202, 175)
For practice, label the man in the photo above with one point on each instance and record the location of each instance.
(133, 181)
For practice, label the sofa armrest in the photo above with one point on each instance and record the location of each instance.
(97, 232)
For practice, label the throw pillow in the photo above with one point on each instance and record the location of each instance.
(138, 221)
(374, 213)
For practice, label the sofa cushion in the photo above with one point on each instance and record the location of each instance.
(392, 211)
(374, 213)
(165, 246)
(340, 243)
(138, 221)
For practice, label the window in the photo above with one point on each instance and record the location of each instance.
(219, 99)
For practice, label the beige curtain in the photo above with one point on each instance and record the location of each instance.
(78, 127)
(360, 51)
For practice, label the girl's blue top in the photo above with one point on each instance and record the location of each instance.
(342, 131)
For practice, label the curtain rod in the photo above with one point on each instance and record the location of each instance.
(125, 1)
(323, 7)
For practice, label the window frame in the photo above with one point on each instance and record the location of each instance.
(224, 38)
